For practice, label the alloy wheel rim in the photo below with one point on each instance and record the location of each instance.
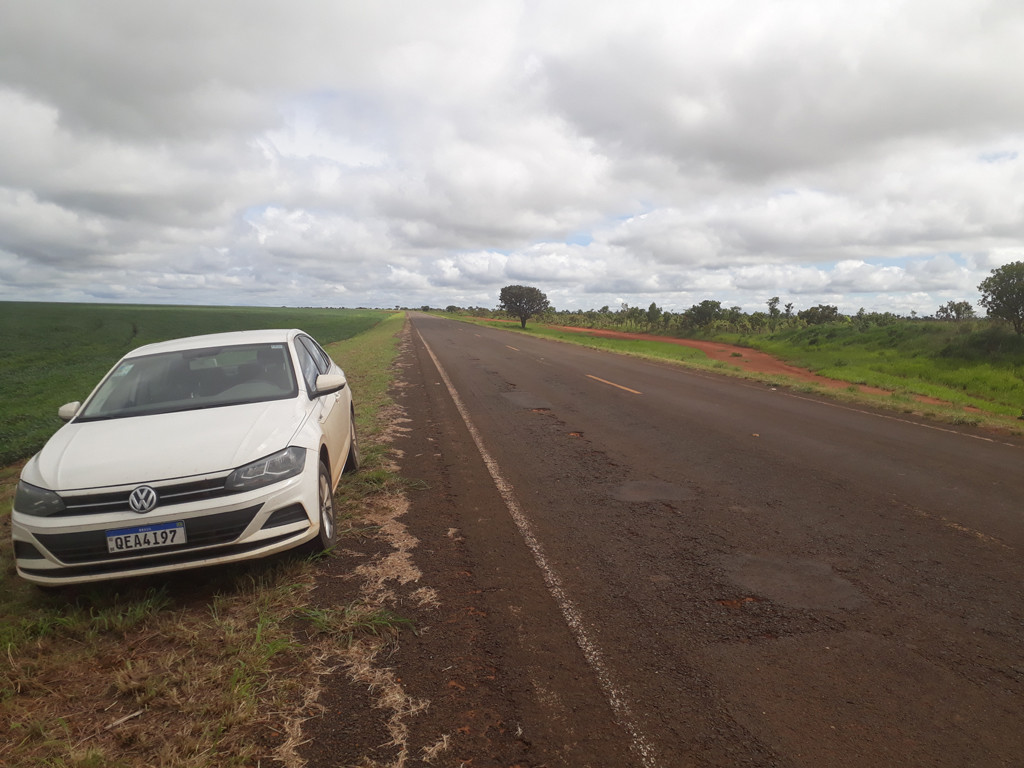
(326, 509)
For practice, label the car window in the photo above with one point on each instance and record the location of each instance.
(190, 379)
(323, 362)
(309, 367)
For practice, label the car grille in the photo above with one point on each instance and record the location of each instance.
(117, 501)
(205, 531)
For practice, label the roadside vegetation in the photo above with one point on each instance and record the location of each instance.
(216, 667)
(976, 363)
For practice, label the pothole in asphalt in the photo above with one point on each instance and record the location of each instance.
(651, 490)
(808, 584)
(528, 401)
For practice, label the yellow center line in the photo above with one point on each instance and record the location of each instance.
(512, 348)
(613, 384)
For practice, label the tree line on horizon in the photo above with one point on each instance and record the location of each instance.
(1002, 295)
(709, 316)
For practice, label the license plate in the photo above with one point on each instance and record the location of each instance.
(146, 537)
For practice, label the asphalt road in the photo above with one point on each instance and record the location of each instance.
(644, 565)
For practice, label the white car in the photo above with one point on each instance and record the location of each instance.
(189, 453)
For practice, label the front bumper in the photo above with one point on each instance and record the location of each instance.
(72, 549)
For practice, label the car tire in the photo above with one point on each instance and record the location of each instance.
(353, 460)
(327, 536)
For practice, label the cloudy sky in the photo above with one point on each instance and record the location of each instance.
(352, 153)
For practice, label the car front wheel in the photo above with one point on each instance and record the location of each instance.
(328, 535)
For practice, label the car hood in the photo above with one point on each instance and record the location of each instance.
(143, 449)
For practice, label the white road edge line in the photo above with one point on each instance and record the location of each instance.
(640, 744)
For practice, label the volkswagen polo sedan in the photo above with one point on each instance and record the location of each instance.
(193, 452)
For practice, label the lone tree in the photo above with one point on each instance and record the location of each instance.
(522, 301)
(1002, 294)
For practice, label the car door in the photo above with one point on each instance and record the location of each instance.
(329, 409)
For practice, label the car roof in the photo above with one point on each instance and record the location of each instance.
(232, 338)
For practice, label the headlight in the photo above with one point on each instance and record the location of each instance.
(267, 471)
(40, 502)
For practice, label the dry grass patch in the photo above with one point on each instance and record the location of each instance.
(153, 676)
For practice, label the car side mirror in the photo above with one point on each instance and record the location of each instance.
(329, 383)
(68, 410)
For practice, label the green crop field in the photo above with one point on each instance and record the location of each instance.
(51, 354)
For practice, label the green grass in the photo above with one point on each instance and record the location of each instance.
(345, 622)
(973, 364)
(51, 354)
(84, 621)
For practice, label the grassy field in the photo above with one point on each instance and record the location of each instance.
(51, 354)
(975, 364)
(210, 668)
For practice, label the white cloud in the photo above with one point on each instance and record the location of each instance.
(387, 153)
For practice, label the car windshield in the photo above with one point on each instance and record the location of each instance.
(194, 378)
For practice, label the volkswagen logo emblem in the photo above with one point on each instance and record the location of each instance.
(142, 499)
